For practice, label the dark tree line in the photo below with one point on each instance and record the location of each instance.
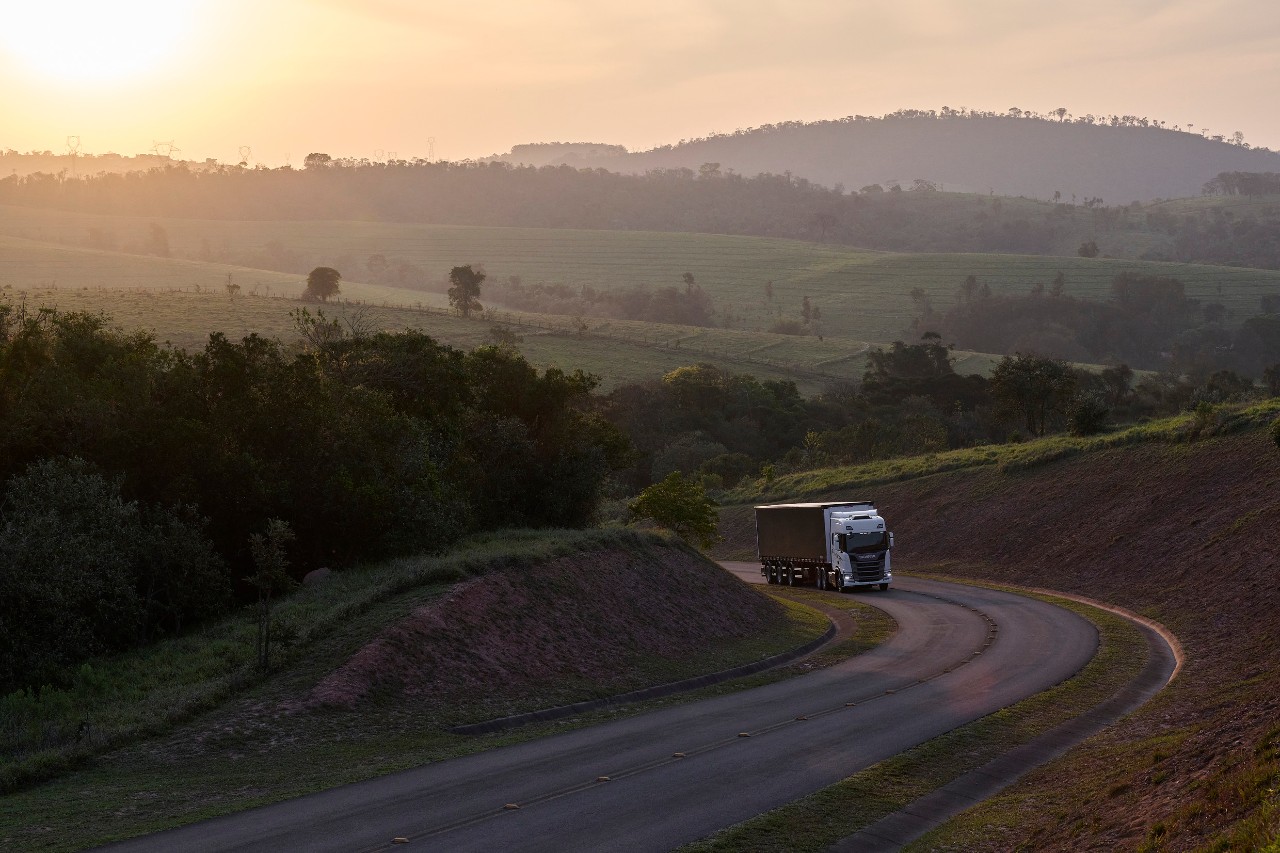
(499, 194)
(147, 469)
(1148, 322)
(1244, 183)
(722, 428)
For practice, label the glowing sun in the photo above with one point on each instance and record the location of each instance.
(92, 41)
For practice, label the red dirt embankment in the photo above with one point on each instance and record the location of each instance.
(584, 619)
(1188, 534)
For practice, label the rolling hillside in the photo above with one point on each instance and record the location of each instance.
(861, 295)
(1002, 154)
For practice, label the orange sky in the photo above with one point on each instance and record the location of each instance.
(367, 77)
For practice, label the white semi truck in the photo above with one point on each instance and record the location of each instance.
(839, 546)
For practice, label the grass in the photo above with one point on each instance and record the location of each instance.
(185, 729)
(618, 352)
(816, 822)
(863, 295)
(1009, 457)
(1251, 788)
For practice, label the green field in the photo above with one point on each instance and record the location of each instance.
(862, 295)
(617, 352)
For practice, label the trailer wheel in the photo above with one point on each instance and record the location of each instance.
(791, 576)
(822, 581)
(884, 587)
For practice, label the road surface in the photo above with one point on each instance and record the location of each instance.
(664, 778)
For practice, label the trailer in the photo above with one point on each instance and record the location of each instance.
(838, 546)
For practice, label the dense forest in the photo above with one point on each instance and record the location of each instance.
(1015, 153)
(135, 476)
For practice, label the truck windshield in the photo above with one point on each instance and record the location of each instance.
(855, 542)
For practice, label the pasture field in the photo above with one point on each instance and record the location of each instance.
(1261, 205)
(617, 352)
(862, 295)
(29, 264)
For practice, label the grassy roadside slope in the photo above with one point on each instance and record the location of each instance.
(381, 663)
(1181, 531)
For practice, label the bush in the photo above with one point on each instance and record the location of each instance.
(1088, 415)
(789, 327)
(87, 572)
(681, 506)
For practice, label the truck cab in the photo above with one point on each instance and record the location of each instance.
(860, 548)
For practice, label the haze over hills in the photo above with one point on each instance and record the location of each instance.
(1118, 159)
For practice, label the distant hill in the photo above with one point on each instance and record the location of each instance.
(13, 163)
(1117, 159)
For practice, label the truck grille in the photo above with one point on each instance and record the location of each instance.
(868, 571)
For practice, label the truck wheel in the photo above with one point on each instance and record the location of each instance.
(884, 587)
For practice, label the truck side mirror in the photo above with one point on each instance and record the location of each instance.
(890, 540)
(842, 541)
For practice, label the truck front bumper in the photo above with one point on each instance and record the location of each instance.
(850, 581)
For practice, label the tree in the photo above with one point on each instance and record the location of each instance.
(681, 506)
(1059, 284)
(1088, 415)
(158, 241)
(272, 576)
(322, 282)
(464, 295)
(1088, 249)
(1271, 378)
(316, 160)
(824, 221)
(1033, 389)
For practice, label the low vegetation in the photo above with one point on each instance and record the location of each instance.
(1007, 458)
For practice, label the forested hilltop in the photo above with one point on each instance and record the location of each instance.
(1017, 153)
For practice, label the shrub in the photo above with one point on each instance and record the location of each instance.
(789, 327)
(87, 572)
(1088, 415)
(681, 506)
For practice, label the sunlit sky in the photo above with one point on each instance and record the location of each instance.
(370, 78)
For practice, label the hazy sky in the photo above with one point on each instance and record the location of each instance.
(363, 77)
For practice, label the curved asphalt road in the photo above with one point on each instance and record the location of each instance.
(960, 653)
